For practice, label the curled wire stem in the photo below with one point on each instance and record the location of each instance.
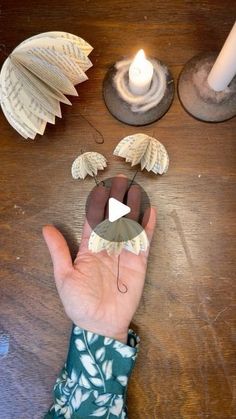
(98, 183)
(101, 138)
(95, 180)
(118, 277)
(132, 180)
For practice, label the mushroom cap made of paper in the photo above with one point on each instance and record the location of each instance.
(143, 149)
(116, 231)
(88, 164)
(37, 75)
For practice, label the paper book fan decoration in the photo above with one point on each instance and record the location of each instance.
(37, 75)
(88, 164)
(144, 150)
(124, 227)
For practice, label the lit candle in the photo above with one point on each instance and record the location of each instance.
(224, 68)
(140, 74)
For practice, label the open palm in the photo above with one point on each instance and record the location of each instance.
(88, 287)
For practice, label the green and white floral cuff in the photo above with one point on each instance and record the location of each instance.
(94, 380)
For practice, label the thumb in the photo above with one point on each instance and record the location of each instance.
(149, 222)
(59, 251)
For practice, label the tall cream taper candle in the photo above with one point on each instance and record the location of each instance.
(224, 68)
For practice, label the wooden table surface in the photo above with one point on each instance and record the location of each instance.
(186, 366)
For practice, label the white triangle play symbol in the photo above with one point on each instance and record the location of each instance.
(116, 209)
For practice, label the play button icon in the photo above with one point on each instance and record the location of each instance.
(116, 209)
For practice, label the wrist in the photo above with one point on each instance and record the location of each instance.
(123, 337)
(120, 335)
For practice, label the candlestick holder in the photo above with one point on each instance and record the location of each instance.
(198, 98)
(138, 109)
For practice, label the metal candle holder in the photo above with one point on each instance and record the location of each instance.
(138, 109)
(198, 98)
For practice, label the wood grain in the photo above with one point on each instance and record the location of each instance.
(186, 367)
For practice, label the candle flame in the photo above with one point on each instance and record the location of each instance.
(140, 57)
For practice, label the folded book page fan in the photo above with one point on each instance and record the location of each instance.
(37, 75)
(144, 150)
(88, 163)
(117, 231)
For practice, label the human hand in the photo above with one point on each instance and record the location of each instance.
(88, 287)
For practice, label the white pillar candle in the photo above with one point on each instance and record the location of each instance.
(224, 68)
(140, 74)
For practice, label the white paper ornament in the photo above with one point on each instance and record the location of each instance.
(115, 231)
(143, 149)
(88, 164)
(36, 76)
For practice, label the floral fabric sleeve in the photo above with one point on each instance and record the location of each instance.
(94, 379)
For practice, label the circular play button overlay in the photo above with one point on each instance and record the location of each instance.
(115, 209)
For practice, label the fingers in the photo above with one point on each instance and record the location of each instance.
(118, 188)
(134, 202)
(59, 252)
(96, 206)
(149, 222)
(95, 213)
(87, 230)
